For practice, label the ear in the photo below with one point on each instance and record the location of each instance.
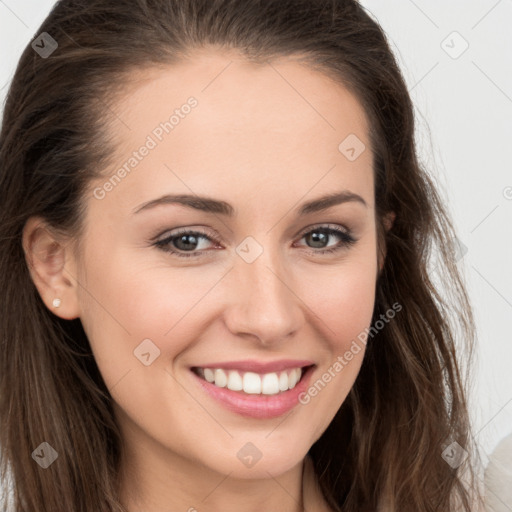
(52, 267)
(388, 221)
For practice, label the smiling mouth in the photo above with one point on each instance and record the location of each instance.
(272, 383)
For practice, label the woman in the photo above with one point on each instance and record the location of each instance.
(216, 261)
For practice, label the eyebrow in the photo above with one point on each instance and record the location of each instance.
(210, 205)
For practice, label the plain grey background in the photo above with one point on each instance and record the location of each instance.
(455, 56)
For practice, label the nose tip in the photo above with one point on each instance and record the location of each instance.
(264, 303)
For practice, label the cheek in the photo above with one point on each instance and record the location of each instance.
(125, 302)
(343, 296)
(347, 304)
(344, 304)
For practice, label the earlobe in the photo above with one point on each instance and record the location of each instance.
(52, 268)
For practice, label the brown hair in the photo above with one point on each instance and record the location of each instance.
(409, 399)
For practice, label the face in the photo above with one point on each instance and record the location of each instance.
(243, 289)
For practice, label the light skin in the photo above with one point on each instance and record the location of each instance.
(264, 147)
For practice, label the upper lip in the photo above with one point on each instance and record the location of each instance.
(258, 366)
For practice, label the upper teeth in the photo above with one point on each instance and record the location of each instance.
(250, 382)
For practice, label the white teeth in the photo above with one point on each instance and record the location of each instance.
(221, 379)
(235, 381)
(292, 379)
(283, 381)
(270, 384)
(250, 382)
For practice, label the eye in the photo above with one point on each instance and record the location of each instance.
(190, 241)
(184, 240)
(321, 234)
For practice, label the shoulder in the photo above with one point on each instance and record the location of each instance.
(498, 478)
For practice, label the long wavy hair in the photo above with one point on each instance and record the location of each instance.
(409, 401)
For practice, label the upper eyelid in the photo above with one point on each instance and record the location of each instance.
(206, 231)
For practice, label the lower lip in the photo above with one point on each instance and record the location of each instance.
(257, 406)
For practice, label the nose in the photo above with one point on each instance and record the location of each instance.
(263, 301)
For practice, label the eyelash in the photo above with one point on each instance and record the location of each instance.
(346, 241)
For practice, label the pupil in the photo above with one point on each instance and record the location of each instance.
(318, 237)
(183, 238)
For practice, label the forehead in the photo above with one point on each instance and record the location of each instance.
(218, 121)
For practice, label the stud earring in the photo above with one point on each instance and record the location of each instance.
(56, 303)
